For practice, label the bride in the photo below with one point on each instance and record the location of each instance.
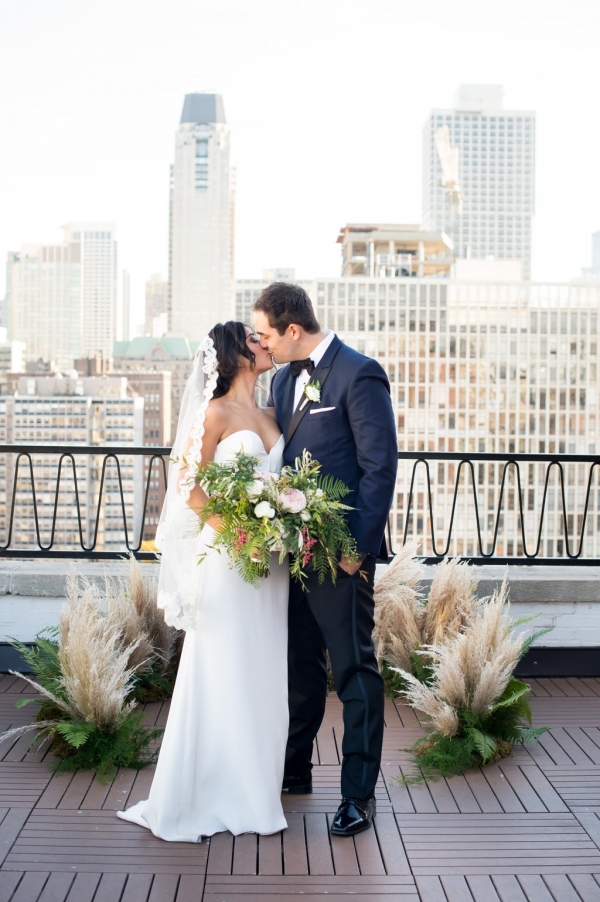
(221, 761)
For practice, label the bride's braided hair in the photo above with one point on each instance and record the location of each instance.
(230, 341)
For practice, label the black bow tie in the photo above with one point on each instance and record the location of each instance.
(296, 367)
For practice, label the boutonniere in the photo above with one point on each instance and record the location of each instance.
(312, 391)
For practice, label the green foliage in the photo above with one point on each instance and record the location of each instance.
(154, 684)
(88, 747)
(255, 519)
(481, 739)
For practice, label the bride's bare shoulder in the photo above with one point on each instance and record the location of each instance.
(270, 412)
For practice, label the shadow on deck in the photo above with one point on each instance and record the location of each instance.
(524, 830)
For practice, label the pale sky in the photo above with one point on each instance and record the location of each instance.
(326, 101)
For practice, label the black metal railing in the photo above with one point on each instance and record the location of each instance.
(75, 501)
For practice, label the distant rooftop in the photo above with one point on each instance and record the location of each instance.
(480, 97)
(203, 109)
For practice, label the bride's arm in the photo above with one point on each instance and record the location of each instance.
(214, 426)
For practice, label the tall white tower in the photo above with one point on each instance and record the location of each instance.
(96, 246)
(494, 153)
(201, 219)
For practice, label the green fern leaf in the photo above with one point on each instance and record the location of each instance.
(483, 742)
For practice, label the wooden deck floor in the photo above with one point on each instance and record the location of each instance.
(524, 830)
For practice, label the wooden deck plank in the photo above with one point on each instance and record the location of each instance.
(55, 790)
(117, 796)
(483, 889)
(535, 889)
(456, 889)
(391, 846)
(586, 886)
(430, 889)
(57, 888)
(344, 855)
(220, 854)
(502, 789)
(30, 887)
(528, 797)
(561, 888)
(245, 854)
(84, 887)
(9, 880)
(137, 888)
(368, 853)
(164, 888)
(295, 859)
(482, 791)
(110, 887)
(270, 854)
(320, 861)
(508, 888)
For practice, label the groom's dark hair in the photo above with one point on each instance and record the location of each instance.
(284, 304)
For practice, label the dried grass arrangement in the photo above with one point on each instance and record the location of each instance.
(453, 656)
(110, 651)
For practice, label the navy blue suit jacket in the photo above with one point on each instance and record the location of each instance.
(355, 441)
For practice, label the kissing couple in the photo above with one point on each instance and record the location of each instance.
(252, 681)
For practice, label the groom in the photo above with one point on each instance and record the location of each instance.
(334, 402)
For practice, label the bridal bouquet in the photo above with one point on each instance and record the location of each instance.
(299, 512)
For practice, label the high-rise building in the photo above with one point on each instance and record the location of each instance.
(43, 301)
(99, 279)
(125, 306)
(62, 298)
(201, 220)
(391, 251)
(67, 410)
(479, 176)
(477, 366)
(157, 306)
(593, 271)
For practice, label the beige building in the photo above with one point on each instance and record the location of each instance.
(392, 251)
(157, 306)
(170, 353)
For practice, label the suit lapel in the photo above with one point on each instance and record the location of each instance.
(320, 374)
(287, 404)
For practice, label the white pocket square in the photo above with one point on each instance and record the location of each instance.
(320, 409)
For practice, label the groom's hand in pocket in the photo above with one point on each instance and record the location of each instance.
(351, 567)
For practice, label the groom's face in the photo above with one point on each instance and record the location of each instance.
(282, 348)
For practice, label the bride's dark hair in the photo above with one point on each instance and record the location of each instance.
(230, 340)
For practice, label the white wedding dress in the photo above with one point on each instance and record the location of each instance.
(222, 755)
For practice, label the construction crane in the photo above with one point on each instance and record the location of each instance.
(449, 159)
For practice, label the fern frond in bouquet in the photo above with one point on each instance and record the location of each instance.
(298, 512)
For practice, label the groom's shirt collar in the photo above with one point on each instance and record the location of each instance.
(316, 355)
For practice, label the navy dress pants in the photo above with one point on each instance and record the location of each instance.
(340, 619)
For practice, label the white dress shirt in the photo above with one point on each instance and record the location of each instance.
(316, 355)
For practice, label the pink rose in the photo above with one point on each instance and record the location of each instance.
(292, 500)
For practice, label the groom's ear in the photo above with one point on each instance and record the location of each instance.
(295, 331)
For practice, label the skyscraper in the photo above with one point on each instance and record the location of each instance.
(62, 298)
(98, 254)
(479, 176)
(201, 219)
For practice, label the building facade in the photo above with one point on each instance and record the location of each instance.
(479, 176)
(62, 298)
(157, 306)
(478, 366)
(70, 410)
(201, 220)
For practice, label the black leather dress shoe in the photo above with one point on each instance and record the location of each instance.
(353, 816)
(298, 786)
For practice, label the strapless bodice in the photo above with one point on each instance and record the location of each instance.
(251, 443)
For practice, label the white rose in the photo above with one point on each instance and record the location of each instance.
(319, 493)
(300, 540)
(255, 489)
(264, 509)
(305, 516)
(312, 392)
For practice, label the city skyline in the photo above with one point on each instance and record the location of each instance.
(303, 166)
